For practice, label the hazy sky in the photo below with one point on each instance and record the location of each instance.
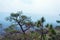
(50, 9)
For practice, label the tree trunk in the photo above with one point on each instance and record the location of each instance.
(42, 32)
(22, 30)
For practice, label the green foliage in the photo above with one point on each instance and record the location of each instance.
(24, 17)
(42, 20)
(47, 25)
(0, 25)
(14, 14)
(22, 20)
(10, 28)
(53, 31)
(58, 21)
(51, 26)
(38, 23)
